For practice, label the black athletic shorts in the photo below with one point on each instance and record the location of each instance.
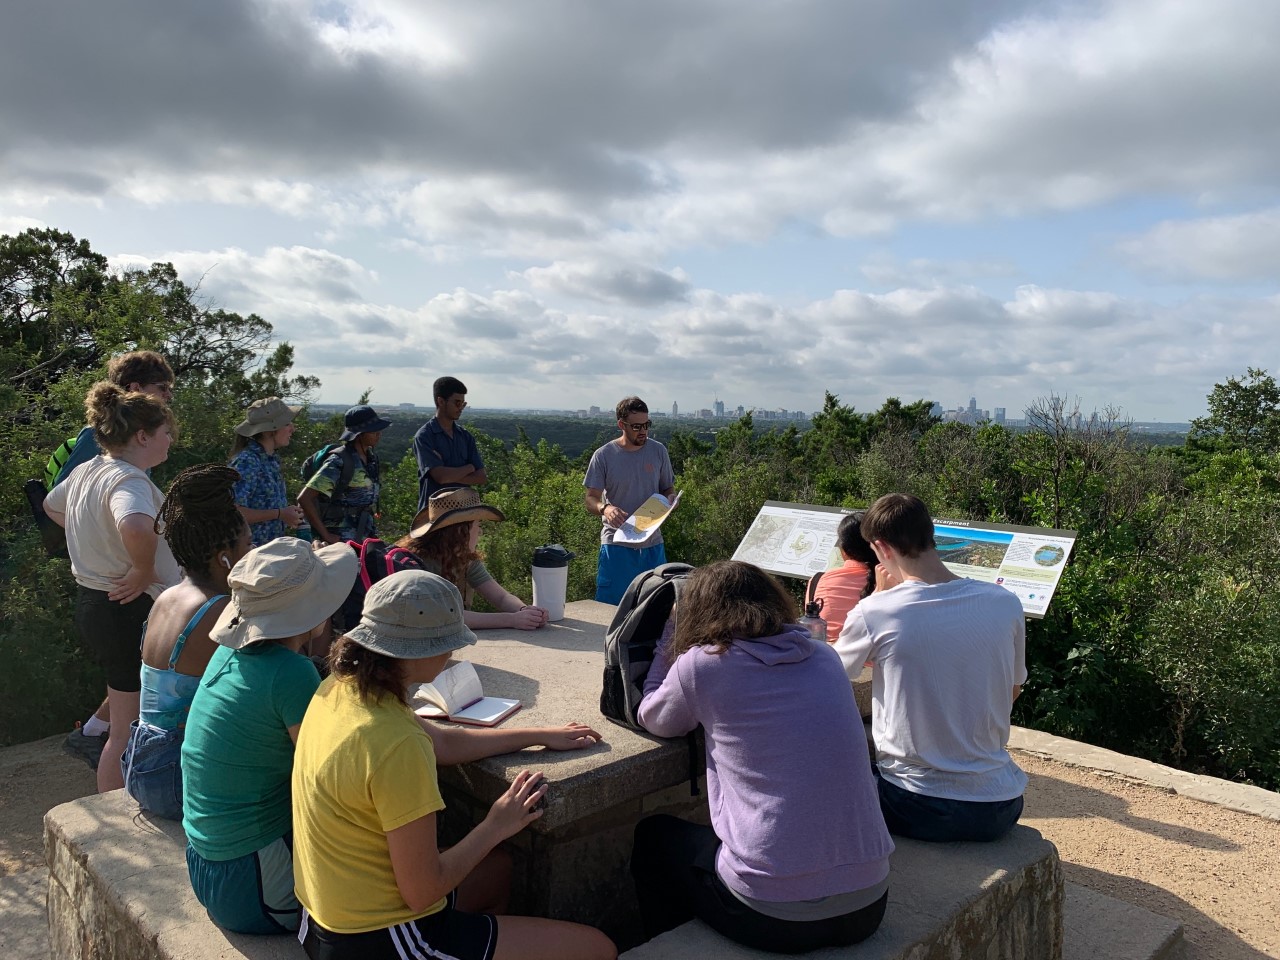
(112, 633)
(448, 933)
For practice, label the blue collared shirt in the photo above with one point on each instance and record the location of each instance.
(432, 447)
(260, 487)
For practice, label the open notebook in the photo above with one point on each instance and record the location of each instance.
(456, 695)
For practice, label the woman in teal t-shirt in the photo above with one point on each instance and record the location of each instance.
(237, 757)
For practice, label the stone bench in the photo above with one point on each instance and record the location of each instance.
(979, 901)
(118, 890)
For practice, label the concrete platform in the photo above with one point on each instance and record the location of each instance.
(995, 901)
(1098, 926)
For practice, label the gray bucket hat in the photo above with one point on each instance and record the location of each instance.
(284, 588)
(410, 615)
(266, 415)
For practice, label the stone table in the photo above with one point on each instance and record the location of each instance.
(571, 864)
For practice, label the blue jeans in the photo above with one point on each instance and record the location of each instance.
(618, 566)
(152, 771)
(937, 820)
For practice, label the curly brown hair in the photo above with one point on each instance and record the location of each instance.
(449, 547)
(728, 601)
(375, 674)
(116, 415)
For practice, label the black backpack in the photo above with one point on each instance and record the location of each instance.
(377, 560)
(632, 637)
(629, 643)
(52, 535)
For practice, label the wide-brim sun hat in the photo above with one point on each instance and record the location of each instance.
(450, 506)
(264, 416)
(411, 615)
(284, 588)
(362, 419)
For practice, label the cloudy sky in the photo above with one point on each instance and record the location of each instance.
(564, 201)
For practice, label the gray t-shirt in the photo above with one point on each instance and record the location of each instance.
(629, 478)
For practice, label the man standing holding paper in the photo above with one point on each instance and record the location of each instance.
(623, 474)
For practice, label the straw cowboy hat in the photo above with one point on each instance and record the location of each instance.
(284, 588)
(263, 416)
(412, 615)
(450, 506)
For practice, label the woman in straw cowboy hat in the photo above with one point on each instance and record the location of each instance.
(260, 493)
(444, 535)
(370, 875)
(237, 755)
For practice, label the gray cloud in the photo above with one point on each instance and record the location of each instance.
(610, 283)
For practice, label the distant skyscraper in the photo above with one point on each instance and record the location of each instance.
(1000, 415)
(675, 409)
(719, 408)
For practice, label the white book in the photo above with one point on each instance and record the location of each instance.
(457, 695)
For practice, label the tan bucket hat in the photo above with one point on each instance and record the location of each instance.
(266, 415)
(450, 506)
(411, 615)
(284, 588)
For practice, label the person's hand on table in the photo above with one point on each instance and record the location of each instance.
(572, 736)
(528, 618)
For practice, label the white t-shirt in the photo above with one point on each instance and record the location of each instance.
(946, 657)
(95, 498)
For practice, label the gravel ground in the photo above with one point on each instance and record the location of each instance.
(1214, 870)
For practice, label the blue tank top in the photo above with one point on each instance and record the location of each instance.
(166, 695)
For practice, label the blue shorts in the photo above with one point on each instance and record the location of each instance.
(250, 894)
(152, 771)
(618, 566)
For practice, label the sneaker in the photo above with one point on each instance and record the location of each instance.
(84, 747)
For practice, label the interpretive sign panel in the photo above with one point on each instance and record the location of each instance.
(798, 540)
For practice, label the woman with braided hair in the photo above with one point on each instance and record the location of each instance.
(207, 534)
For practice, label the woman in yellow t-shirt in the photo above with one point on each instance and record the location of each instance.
(367, 868)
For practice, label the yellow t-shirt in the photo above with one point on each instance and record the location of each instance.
(361, 769)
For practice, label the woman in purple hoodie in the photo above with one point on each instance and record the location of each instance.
(797, 856)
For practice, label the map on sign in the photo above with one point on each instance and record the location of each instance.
(793, 539)
(798, 540)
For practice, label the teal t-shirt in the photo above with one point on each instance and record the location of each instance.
(237, 757)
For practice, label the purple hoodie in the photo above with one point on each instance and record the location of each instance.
(788, 773)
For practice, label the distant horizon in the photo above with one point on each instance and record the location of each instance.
(390, 409)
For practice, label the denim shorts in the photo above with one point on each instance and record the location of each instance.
(152, 771)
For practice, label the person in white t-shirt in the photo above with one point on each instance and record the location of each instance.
(109, 507)
(948, 658)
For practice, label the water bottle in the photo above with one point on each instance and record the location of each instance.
(813, 622)
(303, 532)
(551, 579)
